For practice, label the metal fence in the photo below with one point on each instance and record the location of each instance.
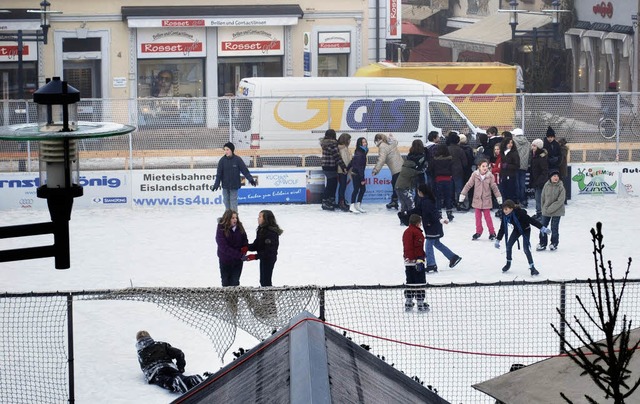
(597, 126)
(472, 333)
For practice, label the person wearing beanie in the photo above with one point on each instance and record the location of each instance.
(538, 174)
(228, 176)
(163, 365)
(521, 177)
(553, 149)
(552, 199)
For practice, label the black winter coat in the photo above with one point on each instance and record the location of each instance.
(521, 222)
(539, 169)
(266, 243)
(458, 161)
(155, 355)
(359, 162)
(510, 163)
(441, 166)
(431, 225)
(229, 169)
(554, 153)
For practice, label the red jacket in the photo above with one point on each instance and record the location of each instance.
(495, 168)
(413, 243)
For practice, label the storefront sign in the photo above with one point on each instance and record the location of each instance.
(15, 26)
(394, 30)
(212, 22)
(250, 41)
(171, 43)
(334, 42)
(306, 47)
(9, 51)
(604, 9)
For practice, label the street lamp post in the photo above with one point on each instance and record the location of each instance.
(57, 130)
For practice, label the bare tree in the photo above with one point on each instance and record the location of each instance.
(607, 361)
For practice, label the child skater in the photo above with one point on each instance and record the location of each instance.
(265, 245)
(484, 184)
(412, 242)
(432, 225)
(552, 201)
(514, 215)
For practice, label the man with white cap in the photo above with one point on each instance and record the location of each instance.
(524, 151)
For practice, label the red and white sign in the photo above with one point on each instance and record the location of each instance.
(183, 23)
(9, 51)
(254, 22)
(171, 43)
(334, 42)
(394, 19)
(250, 41)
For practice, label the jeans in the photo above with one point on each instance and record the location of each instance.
(513, 237)
(230, 273)
(458, 184)
(522, 187)
(230, 199)
(555, 226)
(342, 186)
(330, 187)
(358, 188)
(538, 201)
(394, 195)
(444, 196)
(436, 243)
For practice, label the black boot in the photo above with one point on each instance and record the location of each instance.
(450, 215)
(404, 218)
(506, 267)
(327, 204)
(343, 206)
(392, 205)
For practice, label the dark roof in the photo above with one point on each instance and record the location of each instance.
(309, 362)
(213, 11)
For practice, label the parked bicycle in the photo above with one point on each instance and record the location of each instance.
(630, 124)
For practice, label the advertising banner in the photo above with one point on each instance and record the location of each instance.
(104, 189)
(597, 179)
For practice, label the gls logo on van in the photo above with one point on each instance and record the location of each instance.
(103, 181)
(369, 115)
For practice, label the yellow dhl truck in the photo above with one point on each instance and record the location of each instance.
(492, 86)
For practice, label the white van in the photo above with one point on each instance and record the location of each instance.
(293, 112)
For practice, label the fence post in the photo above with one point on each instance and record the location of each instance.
(70, 348)
(322, 302)
(563, 312)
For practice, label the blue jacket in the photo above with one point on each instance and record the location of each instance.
(229, 169)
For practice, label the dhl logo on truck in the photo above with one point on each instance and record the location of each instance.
(365, 114)
(473, 89)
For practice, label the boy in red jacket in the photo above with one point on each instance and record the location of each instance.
(414, 269)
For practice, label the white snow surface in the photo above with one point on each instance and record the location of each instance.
(175, 247)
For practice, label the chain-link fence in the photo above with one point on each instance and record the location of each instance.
(285, 132)
(472, 333)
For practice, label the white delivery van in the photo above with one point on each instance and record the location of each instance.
(294, 112)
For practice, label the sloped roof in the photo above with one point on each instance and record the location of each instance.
(542, 382)
(307, 362)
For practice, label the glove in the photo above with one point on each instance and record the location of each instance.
(253, 183)
(444, 221)
(497, 244)
(244, 250)
(462, 198)
(420, 265)
(499, 199)
(250, 257)
(214, 188)
(543, 229)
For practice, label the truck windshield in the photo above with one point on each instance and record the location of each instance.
(242, 114)
(446, 118)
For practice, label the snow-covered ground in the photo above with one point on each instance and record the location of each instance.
(175, 247)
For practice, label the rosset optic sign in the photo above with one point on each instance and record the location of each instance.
(334, 42)
(178, 43)
(250, 41)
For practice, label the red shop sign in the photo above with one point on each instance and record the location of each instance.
(604, 9)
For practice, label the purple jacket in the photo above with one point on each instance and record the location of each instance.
(229, 246)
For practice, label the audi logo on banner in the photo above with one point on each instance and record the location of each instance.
(26, 202)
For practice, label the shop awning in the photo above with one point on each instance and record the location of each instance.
(211, 16)
(485, 35)
(572, 32)
(412, 29)
(626, 43)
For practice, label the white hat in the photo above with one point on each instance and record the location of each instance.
(463, 139)
(517, 132)
(538, 143)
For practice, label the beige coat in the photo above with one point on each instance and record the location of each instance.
(388, 154)
(482, 188)
(346, 157)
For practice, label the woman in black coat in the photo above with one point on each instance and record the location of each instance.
(266, 245)
(539, 172)
(441, 170)
(510, 164)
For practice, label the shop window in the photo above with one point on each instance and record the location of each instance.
(232, 70)
(171, 78)
(333, 65)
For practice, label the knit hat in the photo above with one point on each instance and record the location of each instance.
(538, 143)
(142, 334)
(553, 172)
(517, 132)
(551, 132)
(230, 146)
